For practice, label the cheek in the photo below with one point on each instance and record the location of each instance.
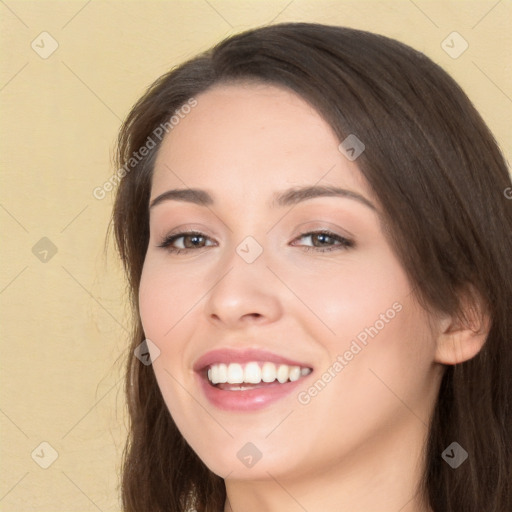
(164, 298)
(153, 304)
(367, 388)
(377, 329)
(385, 358)
(349, 296)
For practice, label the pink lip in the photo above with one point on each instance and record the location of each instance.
(250, 399)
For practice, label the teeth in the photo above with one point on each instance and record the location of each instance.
(222, 374)
(283, 372)
(253, 373)
(235, 373)
(295, 373)
(268, 372)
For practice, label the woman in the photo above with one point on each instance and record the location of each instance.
(316, 231)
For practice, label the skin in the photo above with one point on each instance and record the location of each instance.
(356, 445)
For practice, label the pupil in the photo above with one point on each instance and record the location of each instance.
(323, 239)
(194, 241)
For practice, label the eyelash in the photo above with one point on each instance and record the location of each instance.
(344, 243)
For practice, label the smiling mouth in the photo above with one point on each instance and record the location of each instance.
(253, 375)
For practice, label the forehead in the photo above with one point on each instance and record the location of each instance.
(252, 138)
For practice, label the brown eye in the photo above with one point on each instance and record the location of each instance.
(323, 241)
(181, 242)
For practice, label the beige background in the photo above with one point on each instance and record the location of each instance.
(64, 316)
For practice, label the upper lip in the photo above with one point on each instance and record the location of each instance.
(242, 356)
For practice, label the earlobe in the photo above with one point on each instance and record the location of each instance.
(462, 337)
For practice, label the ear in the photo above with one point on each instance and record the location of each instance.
(463, 335)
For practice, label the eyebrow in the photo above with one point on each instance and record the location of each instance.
(279, 199)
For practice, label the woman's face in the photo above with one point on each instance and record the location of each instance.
(286, 283)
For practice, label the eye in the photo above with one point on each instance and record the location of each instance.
(186, 241)
(320, 241)
(324, 241)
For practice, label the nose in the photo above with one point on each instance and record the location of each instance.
(245, 294)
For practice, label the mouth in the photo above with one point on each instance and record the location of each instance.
(253, 375)
(248, 380)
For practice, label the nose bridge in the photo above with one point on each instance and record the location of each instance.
(243, 269)
(244, 287)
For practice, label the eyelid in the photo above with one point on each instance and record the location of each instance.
(318, 225)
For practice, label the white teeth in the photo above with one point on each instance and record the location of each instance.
(268, 372)
(253, 373)
(283, 373)
(223, 373)
(294, 373)
(235, 373)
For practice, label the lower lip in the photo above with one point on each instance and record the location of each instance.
(249, 399)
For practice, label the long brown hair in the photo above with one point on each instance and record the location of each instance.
(441, 181)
